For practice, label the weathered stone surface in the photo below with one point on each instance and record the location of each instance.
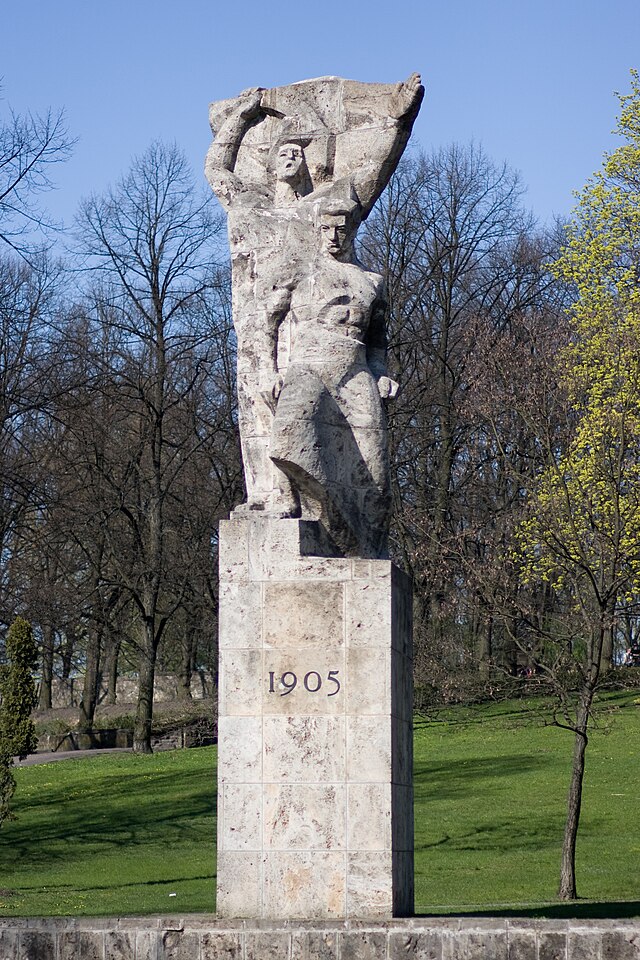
(220, 946)
(300, 884)
(178, 945)
(9, 944)
(583, 946)
(300, 614)
(34, 945)
(119, 945)
(240, 739)
(87, 945)
(146, 944)
(621, 944)
(488, 944)
(298, 168)
(522, 945)
(370, 884)
(267, 946)
(415, 946)
(239, 883)
(363, 946)
(205, 938)
(240, 816)
(304, 749)
(241, 615)
(320, 945)
(315, 807)
(552, 946)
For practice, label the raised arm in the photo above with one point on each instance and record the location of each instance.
(384, 152)
(223, 152)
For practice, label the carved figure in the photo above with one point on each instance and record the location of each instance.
(279, 160)
(329, 431)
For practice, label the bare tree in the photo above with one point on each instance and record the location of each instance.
(152, 258)
(29, 146)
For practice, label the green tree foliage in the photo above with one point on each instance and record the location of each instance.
(18, 692)
(582, 535)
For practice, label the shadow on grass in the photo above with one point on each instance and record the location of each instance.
(450, 780)
(576, 910)
(118, 811)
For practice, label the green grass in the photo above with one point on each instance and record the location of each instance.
(112, 835)
(117, 834)
(490, 796)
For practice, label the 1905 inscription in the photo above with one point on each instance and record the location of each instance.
(312, 682)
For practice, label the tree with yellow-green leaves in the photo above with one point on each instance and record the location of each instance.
(582, 532)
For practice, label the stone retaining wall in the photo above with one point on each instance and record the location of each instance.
(205, 938)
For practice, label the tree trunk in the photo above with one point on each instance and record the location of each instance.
(567, 890)
(89, 700)
(111, 671)
(186, 665)
(606, 657)
(44, 698)
(144, 712)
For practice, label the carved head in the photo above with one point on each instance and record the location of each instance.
(287, 161)
(338, 222)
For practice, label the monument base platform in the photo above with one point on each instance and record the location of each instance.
(315, 806)
(418, 938)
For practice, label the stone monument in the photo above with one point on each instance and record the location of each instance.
(315, 735)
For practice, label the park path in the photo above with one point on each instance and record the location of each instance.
(35, 758)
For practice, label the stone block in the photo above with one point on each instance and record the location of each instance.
(403, 884)
(369, 753)
(302, 681)
(621, 945)
(488, 944)
(369, 884)
(81, 945)
(304, 749)
(301, 884)
(267, 946)
(368, 681)
(239, 693)
(368, 606)
(240, 749)
(179, 945)
(303, 614)
(239, 884)
(402, 752)
(552, 945)
(304, 816)
(309, 790)
(402, 807)
(404, 945)
(240, 617)
(369, 816)
(220, 946)
(34, 945)
(314, 945)
(363, 945)
(9, 944)
(146, 945)
(583, 945)
(119, 945)
(240, 816)
(233, 553)
(521, 945)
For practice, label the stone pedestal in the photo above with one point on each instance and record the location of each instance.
(315, 806)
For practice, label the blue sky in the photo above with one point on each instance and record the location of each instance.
(533, 82)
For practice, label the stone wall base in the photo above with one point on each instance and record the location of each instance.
(206, 938)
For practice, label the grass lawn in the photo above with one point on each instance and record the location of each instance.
(120, 834)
